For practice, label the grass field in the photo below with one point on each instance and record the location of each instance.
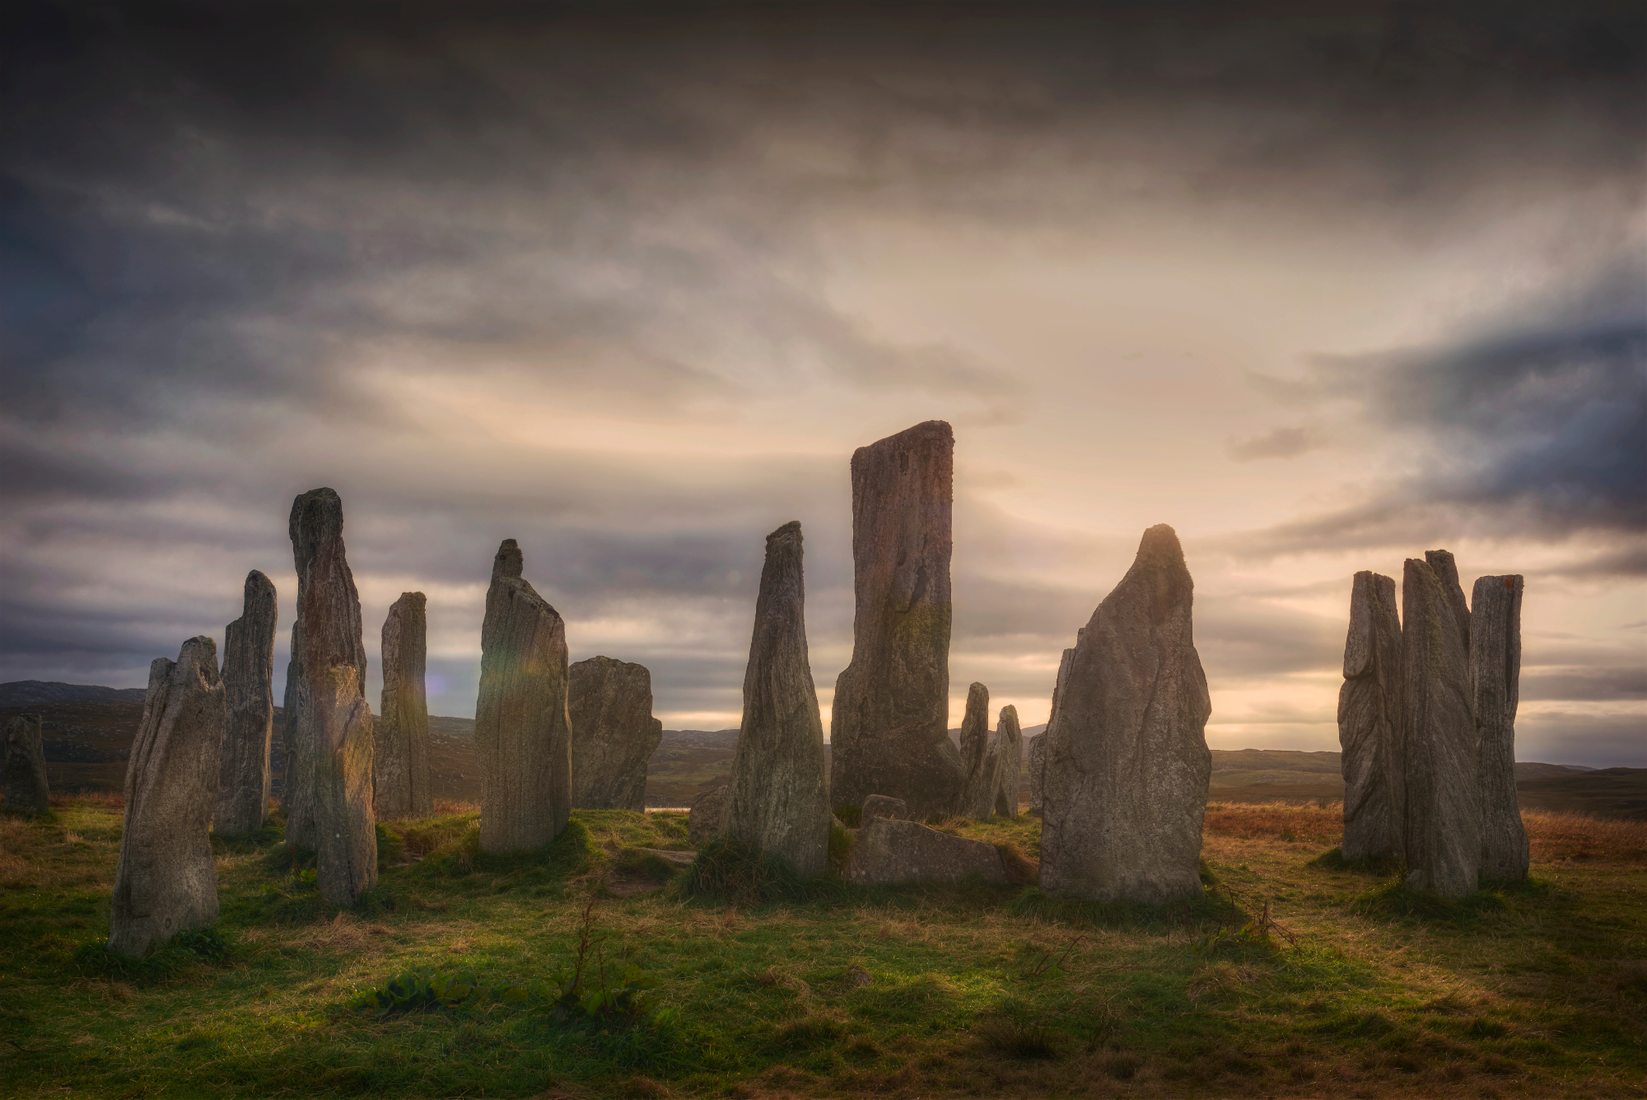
(1292, 975)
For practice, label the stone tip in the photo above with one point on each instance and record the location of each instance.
(415, 598)
(258, 587)
(789, 532)
(508, 562)
(1161, 541)
(1009, 713)
(319, 512)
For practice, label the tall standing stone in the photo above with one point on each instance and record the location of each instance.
(1369, 723)
(978, 791)
(1037, 772)
(613, 734)
(326, 632)
(23, 787)
(1007, 754)
(1443, 803)
(1127, 764)
(1445, 568)
(400, 754)
(890, 722)
(248, 691)
(1495, 676)
(346, 849)
(166, 880)
(523, 733)
(779, 797)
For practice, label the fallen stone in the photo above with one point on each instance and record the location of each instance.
(166, 879)
(1495, 677)
(613, 733)
(978, 791)
(1127, 764)
(706, 818)
(890, 719)
(882, 805)
(1007, 754)
(23, 787)
(401, 785)
(248, 690)
(893, 852)
(1369, 724)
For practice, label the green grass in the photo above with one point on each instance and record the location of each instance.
(461, 973)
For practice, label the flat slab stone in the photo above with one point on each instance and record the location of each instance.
(891, 852)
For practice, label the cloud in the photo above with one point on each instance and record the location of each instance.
(1283, 442)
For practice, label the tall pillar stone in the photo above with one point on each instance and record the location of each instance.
(779, 797)
(400, 753)
(1127, 765)
(978, 791)
(1495, 677)
(166, 880)
(248, 691)
(613, 733)
(523, 733)
(1007, 755)
(326, 632)
(1369, 724)
(23, 787)
(890, 720)
(1037, 765)
(1442, 789)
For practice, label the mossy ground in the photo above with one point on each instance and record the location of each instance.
(1348, 988)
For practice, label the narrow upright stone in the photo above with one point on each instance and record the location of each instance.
(400, 755)
(890, 722)
(326, 632)
(978, 792)
(1127, 764)
(1443, 800)
(346, 850)
(1037, 772)
(1495, 676)
(779, 797)
(166, 880)
(522, 729)
(248, 689)
(23, 787)
(1446, 571)
(1007, 754)
(1369, 723)
(613, 734)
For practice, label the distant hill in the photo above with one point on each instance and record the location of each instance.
(88, 732)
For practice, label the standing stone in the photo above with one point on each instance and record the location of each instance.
(978, 792)
(1369, 723)
(248, 691)
(779, 798)
(326, 632)
(1443, 801)
(1495, 675)
(1446, 571)
(1007, 756)
(346, 849)
(166, 880)
(890, 723)
(706, 817)
(523, 733)
(613, 734)
(1037, 772)
(1127, 764)
(23, 788)
(400, 754)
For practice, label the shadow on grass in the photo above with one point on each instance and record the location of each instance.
(1392, 901)
(1334, 860)
(181, 952)
(1210, 910)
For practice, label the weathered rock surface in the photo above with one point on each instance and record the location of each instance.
(1495, 677)
(1446, 571)
(346, 850)
(400, 754)
(1127, 764)
(1443, 819)
(779, 797)
(706, 818)
(326, 632)
(882, 805)
(23, 787)
(978, 790)
(890, 722)
(166, 880)
(889, 851)
(522, 727)
(1037, 771)
(1369, 723)
(248, 691)
(1006, 755)
(613, 734)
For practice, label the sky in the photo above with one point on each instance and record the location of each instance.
(1322, 286)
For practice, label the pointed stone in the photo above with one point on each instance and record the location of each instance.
(1037, 772)
(326, 632)
(779, 797)
(166, 880)
(1369, 724)
(890, 721)
(23, 787)
(1495, 676)
(1127, 764)
(522, 728)
(1446, 571)
(978, 792)
(1006, 755)
(1443, 818)
(400, 755)
(613, 734)
(248, 689)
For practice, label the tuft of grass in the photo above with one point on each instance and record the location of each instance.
(728, 873)
(1022, 1040)
(185, 950)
